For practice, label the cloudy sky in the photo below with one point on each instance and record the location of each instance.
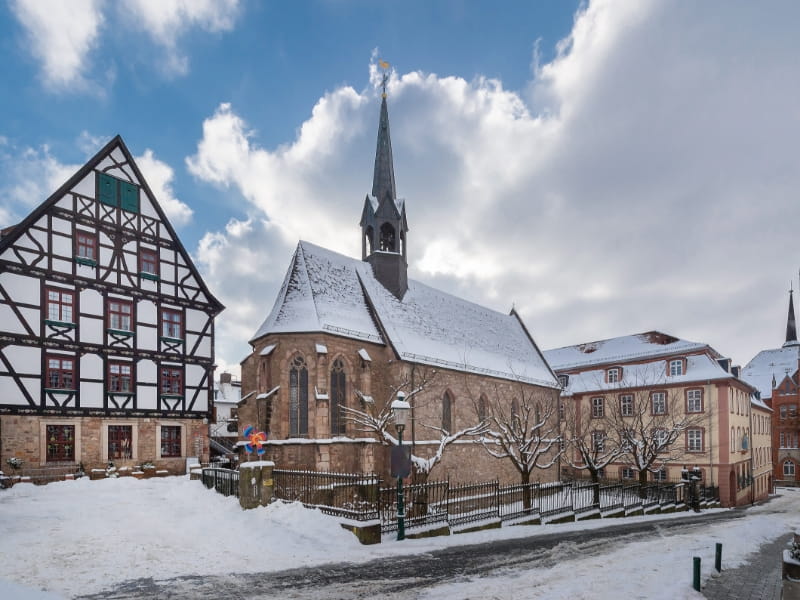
(608, 168)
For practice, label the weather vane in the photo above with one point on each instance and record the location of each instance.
(385, 66)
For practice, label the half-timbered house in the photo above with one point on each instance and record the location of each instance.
(106, 328)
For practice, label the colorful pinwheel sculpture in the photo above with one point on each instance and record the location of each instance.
(254, 440)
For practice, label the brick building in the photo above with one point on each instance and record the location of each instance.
(107, 329)
(651, 384)
(776, 375)
(349, 333)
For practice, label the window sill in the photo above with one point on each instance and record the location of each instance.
(110, 393)
(59, 391)
(120, 332)
(174, 396)
(86, 262)
(171, 340)
(150, 276)
(59, 324)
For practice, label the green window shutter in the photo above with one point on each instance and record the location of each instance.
(107, 189)
(129, 196)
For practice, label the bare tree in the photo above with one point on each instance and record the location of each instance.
(375, 419)
(522, 429)
(588, 445)
(648, 416)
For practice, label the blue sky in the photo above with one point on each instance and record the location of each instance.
(609, 167)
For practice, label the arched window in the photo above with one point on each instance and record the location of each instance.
(298, 398)
(369, 234)
(337, 391)
(482, 409)
(515, 421)
(788, 469)
(447, 412)
(388, 241)
(733, 440)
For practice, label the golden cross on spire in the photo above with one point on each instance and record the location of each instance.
(385, 66)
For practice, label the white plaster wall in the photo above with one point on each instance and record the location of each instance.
(195, 319)
(62, 266)
(91, 302)
(91, 394)
(63, 226)
(9, 392)
(147, 338)
(65, 202)
(167, 272)
(148, 285)
(24, 359)
(204, 349)
(91, 330)
(147, 312)
(32, 317)
(20, 287)
(146, 207)
(146, 398)
(62, 246)
(86, 186)
(91, 366)
(85, 271)
(146, 371)
(11, 323)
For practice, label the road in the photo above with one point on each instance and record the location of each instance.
(403, 576)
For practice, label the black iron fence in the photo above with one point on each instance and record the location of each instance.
(433, 504)
(351, 495)
(224, 481)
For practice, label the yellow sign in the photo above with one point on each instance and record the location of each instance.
(267, 482)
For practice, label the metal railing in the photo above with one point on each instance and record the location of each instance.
(351, 495)
(224, 481)
(472, 503)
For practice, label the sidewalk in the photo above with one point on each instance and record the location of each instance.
(760, 579)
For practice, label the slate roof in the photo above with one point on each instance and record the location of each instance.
(327, 292)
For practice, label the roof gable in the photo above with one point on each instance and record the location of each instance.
(115, 160)
(771, 365)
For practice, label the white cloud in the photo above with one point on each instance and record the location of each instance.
(645, 180)
(165, 21)
(159, 176)
(61, 35)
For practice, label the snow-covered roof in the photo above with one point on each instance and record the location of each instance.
(267, 350)
(362, 352)
(620, 349)
(768, 364)
(326, 291)
(699, 368)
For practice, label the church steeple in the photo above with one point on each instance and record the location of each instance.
(383, 219)
(383, 177)
(791, 328)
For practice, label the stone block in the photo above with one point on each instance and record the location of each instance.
(367, 533)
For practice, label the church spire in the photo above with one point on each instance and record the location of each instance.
(791, 328)
(383, 178)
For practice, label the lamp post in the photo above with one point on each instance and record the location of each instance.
(400, 410)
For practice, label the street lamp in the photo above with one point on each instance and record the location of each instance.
(400, 410)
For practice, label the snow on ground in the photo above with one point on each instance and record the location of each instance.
(80, 537)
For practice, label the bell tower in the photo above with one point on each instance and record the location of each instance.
(383, 219)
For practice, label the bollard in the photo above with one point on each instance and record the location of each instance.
(718, 558)
(696, 579)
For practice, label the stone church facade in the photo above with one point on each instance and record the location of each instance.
(348, 334)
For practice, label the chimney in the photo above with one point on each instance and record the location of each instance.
(736, 370)
(225, 378)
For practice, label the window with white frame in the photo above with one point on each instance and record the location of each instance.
(676, 367)
(598, 408)
(660, 475)
(694, 401)
(788, 468)
(660, 437)
(626, 405)
(612, 375)
(694, 440)
(659, 403)
(628, 473)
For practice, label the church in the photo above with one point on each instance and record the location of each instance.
(345, 335)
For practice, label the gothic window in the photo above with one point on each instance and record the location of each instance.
(482, 409)
(60, 443)
(170, 441)
(447, 412)
(337, 395)
(171, 323)
(119, 314)
(59, 305)
(369, 234)
(120, 377)
(298, 398)
(120, 441)
(387, 238)
(515, 413)
(85, 245)
(788, 468)
(60, 373)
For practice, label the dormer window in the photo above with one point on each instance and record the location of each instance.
(116, 192)
(613, 375)
(676, 367)
(563, 381)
